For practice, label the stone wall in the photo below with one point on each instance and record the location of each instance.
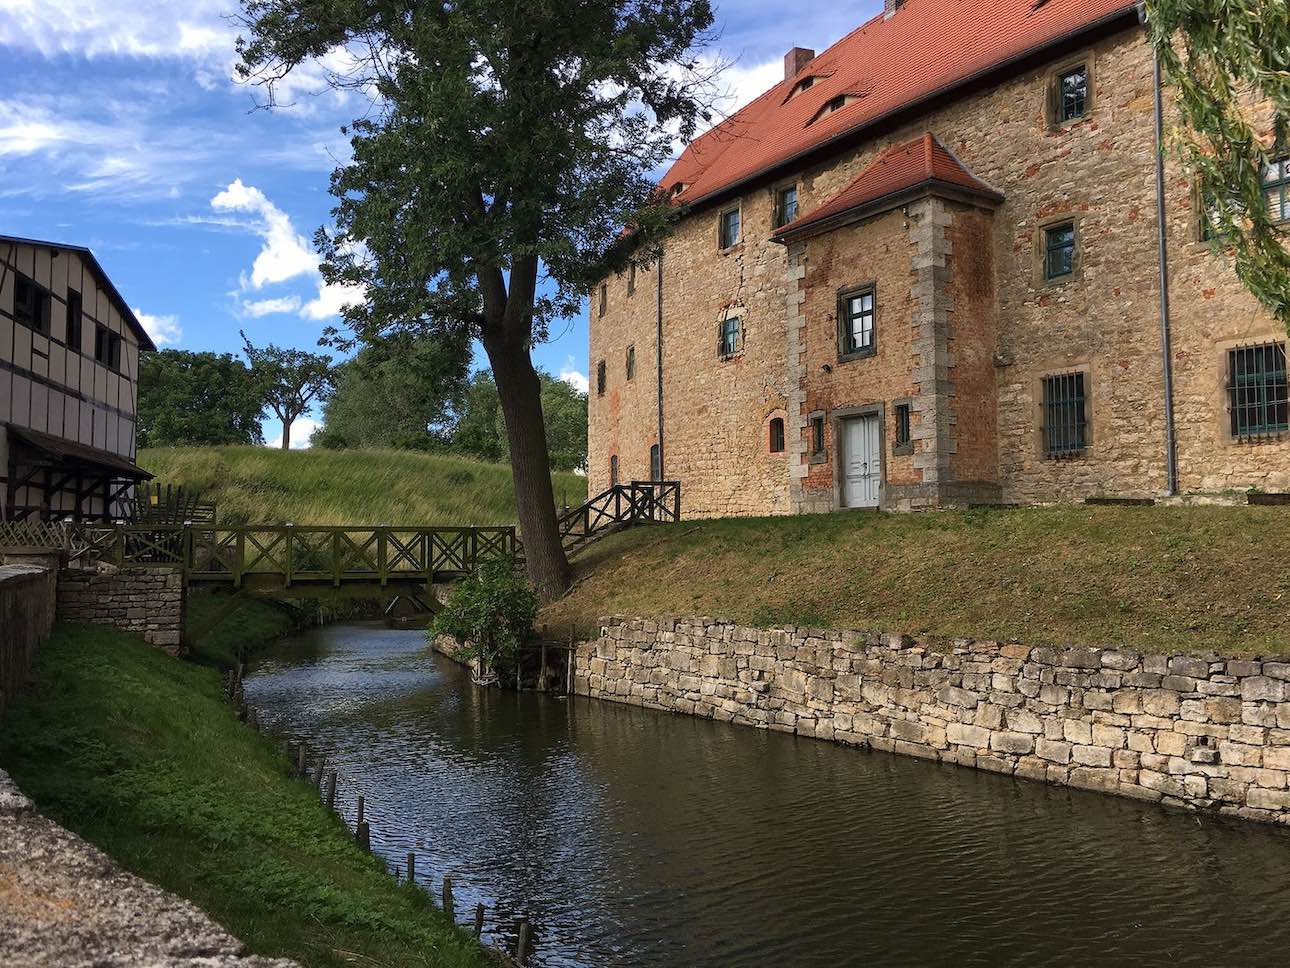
(1198, 732)
(26, 619)
(146, 601)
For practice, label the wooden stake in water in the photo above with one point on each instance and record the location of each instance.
(447, 896)
(479, 920)
(522, 948)
(412, 867)
(361, 806)
(331, 791)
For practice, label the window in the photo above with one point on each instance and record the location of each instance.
(604, 297)
(857, 313)
(903, 438)
(114, 351)
(1065, 415)
(777, 435)
(728, 337)
(107, 347)
(74, 318)
(656, 463)
(631, 280)
(631, 362)
(729, 229)
(600, 378)
(817, 435)
(31, 304)
(1256, 388)
(1276, 188)
(613, 471)
(805, 84)
(1059, 251)
(785, 206)
(1072, 94)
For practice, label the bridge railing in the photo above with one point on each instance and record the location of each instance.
(623, 504)
(296, 554)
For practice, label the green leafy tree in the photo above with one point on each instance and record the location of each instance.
(481, 430)
(1223, 57)
(200, 399)
(402, 391)
(506, 147)
(491, 613)
(291, 381)
(565, 408)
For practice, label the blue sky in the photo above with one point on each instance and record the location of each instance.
(121, 128)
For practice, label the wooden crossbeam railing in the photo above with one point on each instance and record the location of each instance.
(623, 505)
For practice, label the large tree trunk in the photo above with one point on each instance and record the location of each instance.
(520, 393)
(286, 435)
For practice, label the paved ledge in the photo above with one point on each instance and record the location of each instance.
(64, 903)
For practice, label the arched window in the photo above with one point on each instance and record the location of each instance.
(613, 471)
(777, 435)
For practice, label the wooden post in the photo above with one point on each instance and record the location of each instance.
(331, 791)
(318, 773)
(301, 762)
(412, 867)
(479, 920)
(361, 809)
(522, 948)
(447, 896)
(363, 835)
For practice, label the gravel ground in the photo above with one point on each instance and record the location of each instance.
(64, 903)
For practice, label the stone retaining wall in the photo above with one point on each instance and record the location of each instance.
(1204, 733)
(145, 601)
(26, 619)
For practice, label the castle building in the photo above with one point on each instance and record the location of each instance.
(925, 270)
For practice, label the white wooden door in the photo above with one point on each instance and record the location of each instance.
(861, 462)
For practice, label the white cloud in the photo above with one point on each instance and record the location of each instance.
(132, 28)
(302, 429)
(164, 330)
(575, 379)
(271, 307)
(286, 253)
(331, 300)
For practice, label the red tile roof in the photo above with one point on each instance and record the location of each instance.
(926, 47)
(923, 161)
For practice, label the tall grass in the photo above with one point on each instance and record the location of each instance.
(257, 485)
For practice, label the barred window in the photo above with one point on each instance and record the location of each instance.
(1276, 188)
(857, 317)
(1065, 415)
(1059, 250)
(777, 435)
(1256, 387)
(613, 470)
(1072, 94)
(728, 337)
(817, 435)
(656, 463)
(902, 424)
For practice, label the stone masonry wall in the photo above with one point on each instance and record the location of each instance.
(26, 619)
(145, 601)
(1202, 733)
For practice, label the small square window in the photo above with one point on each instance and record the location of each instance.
(785, 206)
(728, 337)
(1257, 393)
(777, 435)
(729, 228)
(857, 320)
(817, 436)
(902, 425)
(1072, 94)
(1059, 251)
(1065, 415)
(600, 378)
(74, 321)
(1276, 189)
(631, 362)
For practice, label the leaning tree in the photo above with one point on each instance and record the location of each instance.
(1224, 58)
(503, 148)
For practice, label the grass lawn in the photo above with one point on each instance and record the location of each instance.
(1188, 579)
(138, 753)
(257, 485)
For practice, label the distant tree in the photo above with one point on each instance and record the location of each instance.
(1221, 57)
(481, 429)
(401, 391)
(200, 399)
(291, 380)
(505, 147)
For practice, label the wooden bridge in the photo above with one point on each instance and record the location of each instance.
(278, 558)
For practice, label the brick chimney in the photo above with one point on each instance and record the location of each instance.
(890, 7)
(796, 59)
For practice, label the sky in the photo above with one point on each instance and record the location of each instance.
(123, 128)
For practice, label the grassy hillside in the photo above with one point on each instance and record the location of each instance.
(256, 485)
(1186, 579)
(139, 754)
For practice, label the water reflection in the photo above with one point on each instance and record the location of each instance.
(634, 838)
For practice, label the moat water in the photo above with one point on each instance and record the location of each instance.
(635, 838)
